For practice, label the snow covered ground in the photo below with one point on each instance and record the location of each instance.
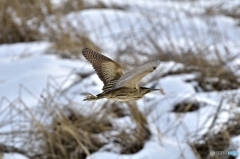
(28, 66)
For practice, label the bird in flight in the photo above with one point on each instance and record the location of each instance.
(119, 86)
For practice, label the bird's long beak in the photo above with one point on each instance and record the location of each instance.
(160, 89)
(153, 89)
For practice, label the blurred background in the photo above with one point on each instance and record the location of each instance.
(44, 79)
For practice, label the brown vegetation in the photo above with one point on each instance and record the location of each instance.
(77, 134)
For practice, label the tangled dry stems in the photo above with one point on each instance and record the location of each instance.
(61, 133)
(77, 135)
(217, 141)
(211, 75)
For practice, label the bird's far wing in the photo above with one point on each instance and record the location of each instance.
(133, 77)
(107, 70)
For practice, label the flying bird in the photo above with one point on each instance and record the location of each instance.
(119, 86)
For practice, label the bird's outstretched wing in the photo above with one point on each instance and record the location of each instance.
(133, 77)
(107, 70)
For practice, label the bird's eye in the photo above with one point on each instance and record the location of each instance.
(154, 68)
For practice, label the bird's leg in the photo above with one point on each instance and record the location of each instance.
(93, 97)
(90, 97)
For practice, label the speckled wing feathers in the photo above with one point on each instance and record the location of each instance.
(107, 70)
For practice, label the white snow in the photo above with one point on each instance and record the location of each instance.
(27, 70)
(14, 156)
(153, 150)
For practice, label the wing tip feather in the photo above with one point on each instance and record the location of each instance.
(85, 50)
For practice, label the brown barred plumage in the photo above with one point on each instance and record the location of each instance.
(107, 70)
(116, 85)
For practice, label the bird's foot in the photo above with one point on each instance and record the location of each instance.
(90, 97)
